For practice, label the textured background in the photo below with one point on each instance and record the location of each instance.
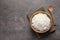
(14, 24)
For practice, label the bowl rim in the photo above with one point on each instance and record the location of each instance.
(33, 14)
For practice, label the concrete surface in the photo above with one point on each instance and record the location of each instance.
(14, 24)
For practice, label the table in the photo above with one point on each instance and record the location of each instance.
(14, 24)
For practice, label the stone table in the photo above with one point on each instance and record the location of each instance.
(14, 24)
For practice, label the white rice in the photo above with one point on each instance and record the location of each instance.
(41, 22)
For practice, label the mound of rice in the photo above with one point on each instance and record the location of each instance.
(41, 22)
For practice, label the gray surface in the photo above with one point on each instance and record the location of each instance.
(14, 24)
